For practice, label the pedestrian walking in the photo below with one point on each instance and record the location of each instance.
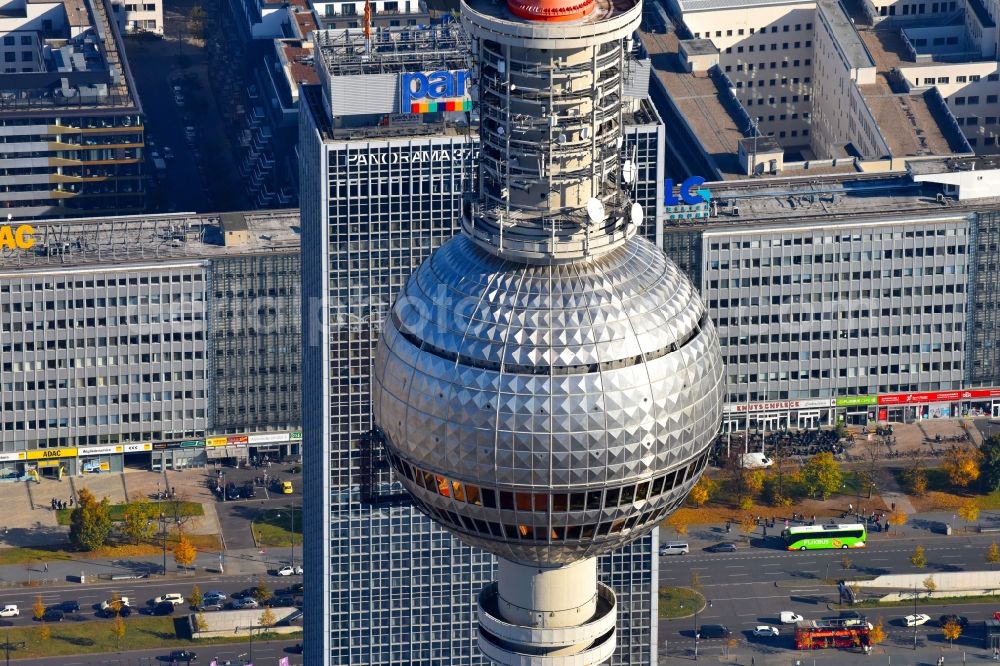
(71, 501)
(45, 566)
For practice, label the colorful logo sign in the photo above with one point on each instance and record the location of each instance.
(430, 92)
(856, 400)
(16, 238)
(699, 195)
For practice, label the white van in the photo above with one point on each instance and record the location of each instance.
(674, 548)
(755, 461)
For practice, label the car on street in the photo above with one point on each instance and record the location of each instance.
(286, 488)
(713, 631)
(183, 655)
(296, 588)
(113, 603)
(674, 548)
(724, 547)
(248, 490)
(69, 606)
(53, 615)
(10, 610)
(287, 570)
(957, 619)
(244, 603)
(766, 631)
(212, 606)
(232, 491)
(212, 596)
(171, 597)
(245, 593)
(168, 152)
(165, 608)
(280, 602)
(788, 617)
(916, 620)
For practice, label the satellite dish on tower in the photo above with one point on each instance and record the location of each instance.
(635, 214)
(561, 138)
(629, 171)
(595, 210)
(621, 140)
(585, 133)
(500, 130)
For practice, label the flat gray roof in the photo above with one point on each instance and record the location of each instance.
(68, 243)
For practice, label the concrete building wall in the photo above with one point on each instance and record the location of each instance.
(767, 51)
(852, 309)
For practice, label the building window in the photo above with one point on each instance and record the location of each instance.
(8, 41)
(26, 40)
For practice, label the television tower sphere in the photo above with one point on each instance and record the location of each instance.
(548, 384)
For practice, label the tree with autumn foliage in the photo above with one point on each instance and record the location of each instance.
(703, 491)
(951, 631)
(184, 552)
(969, 512)
(993, 554)
(962, 465)
(877, 633)
(897, 518)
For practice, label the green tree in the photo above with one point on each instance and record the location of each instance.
(989, 464)
(993, 554)
(822, 475)
(196, 22)
(138, 524)
(919, 557)
(90, 523)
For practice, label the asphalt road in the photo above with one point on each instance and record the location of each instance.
(263, 653)
(753, 585)
(139, 592)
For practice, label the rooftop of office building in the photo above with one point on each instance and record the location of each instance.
(704, 77)
(67, 243)
(77, 59)
(392, 51)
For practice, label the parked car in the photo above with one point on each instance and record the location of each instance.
(53, 615)
(248, 491)
(212, 606)
(957, 619)
(232, 491)
(916, 620)
(286, 488)
(286, 570)
(10, 610)
(245, 594)
(213, 596)
(183, 655)
(724, 547)
(788, 617)
(713, 631)
(171, 597)
(69, 606)
(297, 588)
(165, 608)
(244, 603)
(766, 631)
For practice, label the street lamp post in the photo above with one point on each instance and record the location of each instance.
(696, 633)
(8, 646)
(291, 531)
(914, 616)
(163, 538)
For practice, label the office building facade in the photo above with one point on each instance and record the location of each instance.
(379, 192)
(128, 340)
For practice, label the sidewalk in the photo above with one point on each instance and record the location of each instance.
(56, 572)
(926, 655)
(923, 526)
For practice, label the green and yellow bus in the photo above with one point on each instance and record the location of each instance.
(815, 537)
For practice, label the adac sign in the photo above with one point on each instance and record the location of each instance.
(691, 192)
(429, 92)
(16, 238)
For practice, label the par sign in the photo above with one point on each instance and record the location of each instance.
(429, 92)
